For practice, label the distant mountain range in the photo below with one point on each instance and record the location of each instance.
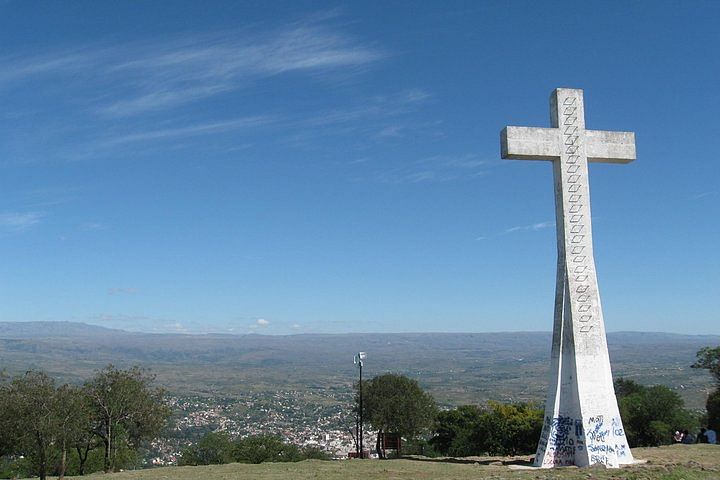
(456, 367)
(54, 329)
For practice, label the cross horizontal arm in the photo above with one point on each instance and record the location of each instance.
(529, 143)
(534, 143)
(609, 147)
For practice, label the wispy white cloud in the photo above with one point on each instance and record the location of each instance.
(175, 327)
(92, 226)
(698, 196)
(414, 95)
(440, 168)
(391, 131)
(468, 162)
(122, 320)
(147, 76)
(161, 99)
(126, 100)
(122, 290)
(41, 197)
(389, 117)
(377, 107)
(258, 324)
(15, 222)
(138, 323)
(534, 227)
(358, 119)
(16, 69)
(188, 130)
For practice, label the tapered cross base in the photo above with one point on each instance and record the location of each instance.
(582, 421)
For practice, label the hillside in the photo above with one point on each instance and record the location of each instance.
(54, 329)
(456, 368)
(688, 462)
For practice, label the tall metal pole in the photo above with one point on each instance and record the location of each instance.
(357, 435)
(362, 452)
(358, 360)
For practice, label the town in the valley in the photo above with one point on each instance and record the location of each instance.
(328, 425)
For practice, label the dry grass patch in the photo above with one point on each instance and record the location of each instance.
(676, 462)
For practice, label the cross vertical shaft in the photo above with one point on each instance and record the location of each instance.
(582, 421)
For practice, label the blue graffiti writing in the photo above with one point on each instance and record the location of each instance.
(598, 433)
(621, 450)
(601, 448)
(560, 431)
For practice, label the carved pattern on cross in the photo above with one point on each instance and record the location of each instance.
(581, 265)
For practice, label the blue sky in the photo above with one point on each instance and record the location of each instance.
(292, 167)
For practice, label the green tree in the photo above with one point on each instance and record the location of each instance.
(651, 414)
(213, 449)
(128, 410)
(454, 430)
(497, 429)
(41, 422)
(91, 462)
(510, 428)
(6, 443)
(74, 419)
(217, 448)
(625, 387)
(29, 419)
(397, 404)
(713, 409)
(263, 449)
(314, 453)
(709, 359)
(86, 443)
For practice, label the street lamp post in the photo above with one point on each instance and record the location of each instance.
(358, 360)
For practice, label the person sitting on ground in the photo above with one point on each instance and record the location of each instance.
(711, 436)
(678, 437)
(701, 437)
(688, 438)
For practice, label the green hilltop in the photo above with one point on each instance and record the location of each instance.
(675, 462)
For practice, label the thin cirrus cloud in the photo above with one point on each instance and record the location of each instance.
(301, 128)
(140, 77)
(172, 74)
(161, 99)
(14, 222)
(122, 290)
(377, 107)
(434, 169)
(534, 227)
(190, 130)
(17, 69)
(704, 195)
(124, 97)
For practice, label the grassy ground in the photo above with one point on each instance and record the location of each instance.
(677, 462)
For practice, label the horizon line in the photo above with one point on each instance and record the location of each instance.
(292, 334)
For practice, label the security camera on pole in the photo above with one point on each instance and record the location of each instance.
(358, 360)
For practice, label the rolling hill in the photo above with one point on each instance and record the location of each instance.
(456, 368)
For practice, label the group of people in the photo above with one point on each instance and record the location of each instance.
(706, 435)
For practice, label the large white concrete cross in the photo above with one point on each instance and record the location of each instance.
(582, 422)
